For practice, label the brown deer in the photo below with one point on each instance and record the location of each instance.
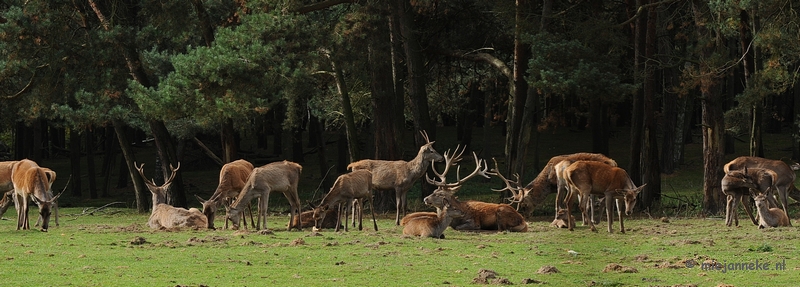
(784, 182)
(31, 181)
(528, 197)
(348, 188)
(418, 214)
(426, 226)
(399, 175)
(770, 217)
(7, 190)
(477, 215)
(165, 216)
(737, 185)
(306, 219)
(585, 178)
(283, 177)
(232, 178)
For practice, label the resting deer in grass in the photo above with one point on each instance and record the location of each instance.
(232, 178)
(785, 176)
(477, 215)
(306, 219)
(529, 196)
(165, 216)
(34, 182)
(585, 178)
(283, 177)
(738, 186)
(770, 217)
(430, 226)
(349, 187)
(399, 175)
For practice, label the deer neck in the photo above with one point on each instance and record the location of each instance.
(417, 166)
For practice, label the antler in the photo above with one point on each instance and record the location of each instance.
(512, 186)
(448, 162)
(425, 136)
(480, 169)
(150, 181)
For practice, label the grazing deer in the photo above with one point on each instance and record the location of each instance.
(770, 217)
(399, 175)
(349, 187)
(784, 182)
(232, 178)
(477, 215)
(426, 226)
(6, 186)
(283, 177)
(585, 178)
(165, 216)
(528, 197)
(30, 180)
(737, 185)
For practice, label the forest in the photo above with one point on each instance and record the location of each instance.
(90, 81)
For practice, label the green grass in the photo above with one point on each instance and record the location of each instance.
(97, 250)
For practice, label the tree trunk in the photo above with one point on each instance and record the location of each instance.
(652, 169)
(518, 89)
(109, 159)
(599, 126)
(637, 112)
(712, 116)
(229, 146)
(90, 170)
(75, 161)
(316, 131)
(297, 145)
(347, 108)
(142, 205)
(169, 157)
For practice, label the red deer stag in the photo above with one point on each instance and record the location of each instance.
(477, 215)
(165, 216)
(585, 178)
(345, 191)
(528, 197)
(399, 175)
(30, 180)
(784, 182)
(770, 217)
(232, 177)
(427, 226)
(283, 177)
(737, 185)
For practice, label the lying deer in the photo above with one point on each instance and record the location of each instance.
(399, 175)
(477, 215)
(585, 178)
(785, 176)
(165, 216)
(529, 196)
(232, 178)
(427, 226)
(306, 219)
(283, 177)
(34, 182)
(770, 217)
(347, 188)
(737, 185)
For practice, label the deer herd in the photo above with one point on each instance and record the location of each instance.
(587, 177)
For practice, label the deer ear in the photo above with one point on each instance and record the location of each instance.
(200, 199)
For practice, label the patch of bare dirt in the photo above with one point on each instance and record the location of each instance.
(641, 258)
(486, 276)
(531, 281)
(297, 242)
(138, 240)
(130, 228)
(208, 239)
(547, 269)
(614, 267)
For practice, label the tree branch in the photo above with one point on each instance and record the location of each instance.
(481, 58)
(642, 8)
(321, 5)
(208, 152)
(26, 87)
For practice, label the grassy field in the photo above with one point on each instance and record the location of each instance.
(116, 248)
(664, 247)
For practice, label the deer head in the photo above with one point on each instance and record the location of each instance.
(45, 205)
(480, 169)
(159, 192)
(427, 151)
(629, 195)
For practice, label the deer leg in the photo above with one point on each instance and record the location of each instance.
(338, 217)
(730, 210)
(263, 210)
(398, 206)
(568, 203)
(746, 204)
(784, 201)
(620, 205)
(372, 209)
(18, 208)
